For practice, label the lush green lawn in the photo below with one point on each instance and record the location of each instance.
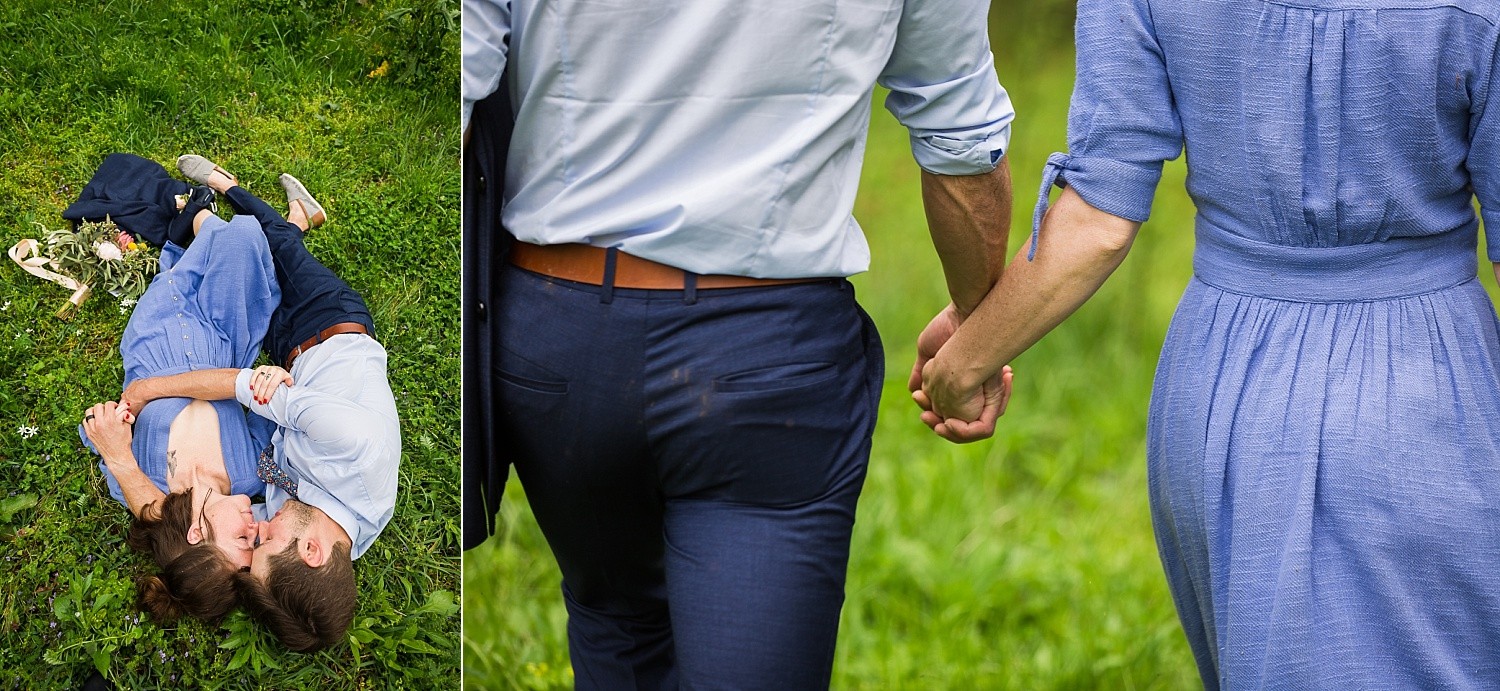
(261, 86)
(1024, 562)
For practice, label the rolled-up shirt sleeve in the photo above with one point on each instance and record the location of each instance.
(944, 88)
(486, 39)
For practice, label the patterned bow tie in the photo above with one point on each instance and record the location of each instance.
(268, 471)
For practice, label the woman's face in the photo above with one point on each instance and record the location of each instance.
(227, 522)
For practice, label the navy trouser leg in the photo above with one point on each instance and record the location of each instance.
(695, 468)
(568, 388)
(313, 298)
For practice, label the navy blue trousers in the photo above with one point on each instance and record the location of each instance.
(694, 462)
(312, 297)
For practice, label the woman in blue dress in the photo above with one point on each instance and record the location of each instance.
(1324, 432)
(186, 468)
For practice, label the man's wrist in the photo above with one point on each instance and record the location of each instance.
(149, 390)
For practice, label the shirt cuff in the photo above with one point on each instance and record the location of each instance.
(242, 392)
(942, 155)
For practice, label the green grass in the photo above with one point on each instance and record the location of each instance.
(262, 87)
(1024, 562)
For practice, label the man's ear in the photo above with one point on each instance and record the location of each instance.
(314, 553)
(195, 533)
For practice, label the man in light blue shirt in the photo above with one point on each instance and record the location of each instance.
(688, 386)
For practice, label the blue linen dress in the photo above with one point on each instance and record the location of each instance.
(208, 308)
(1324, 432)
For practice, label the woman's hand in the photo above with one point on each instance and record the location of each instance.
(958, 412)
(109, 428)
(264, 381)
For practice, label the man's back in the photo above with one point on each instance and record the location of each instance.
(742, 124)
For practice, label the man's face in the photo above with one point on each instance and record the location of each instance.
(226, 521)
(274, 535)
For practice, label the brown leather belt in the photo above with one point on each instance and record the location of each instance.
(585, 264)
(325, 334)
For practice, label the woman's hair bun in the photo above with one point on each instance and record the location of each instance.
(157, 599)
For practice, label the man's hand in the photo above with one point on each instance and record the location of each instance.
(135, 397)
(264, 381)
(108, 427)
(932, 338)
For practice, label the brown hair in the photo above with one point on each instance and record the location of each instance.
(194, 579)
(308, 608)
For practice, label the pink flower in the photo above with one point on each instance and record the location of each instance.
(124, 240)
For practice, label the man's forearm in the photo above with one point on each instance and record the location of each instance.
(969, 218)
(207, 385)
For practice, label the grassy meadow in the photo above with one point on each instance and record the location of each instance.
(1023, 562)
(358, 99)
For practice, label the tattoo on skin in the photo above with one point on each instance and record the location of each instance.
(172, 462)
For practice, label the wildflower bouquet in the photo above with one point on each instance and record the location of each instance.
(97, 255)
(103, 257)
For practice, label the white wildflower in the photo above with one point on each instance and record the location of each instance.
(27, 432)
(108, 251)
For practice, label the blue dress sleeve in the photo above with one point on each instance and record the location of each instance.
(1123, 122)
(1484, 155)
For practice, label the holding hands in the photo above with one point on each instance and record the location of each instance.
(264, 381)
(958, 403)
(109, 428)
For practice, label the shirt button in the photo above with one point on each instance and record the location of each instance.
(482, 184)
(481, 310)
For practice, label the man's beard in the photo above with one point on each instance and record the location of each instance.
(301, 515)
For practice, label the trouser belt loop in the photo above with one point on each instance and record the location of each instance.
(689, 288)
(607, 289)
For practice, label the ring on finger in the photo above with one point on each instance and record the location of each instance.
(88, 417)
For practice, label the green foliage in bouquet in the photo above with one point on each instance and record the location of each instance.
(103, 257)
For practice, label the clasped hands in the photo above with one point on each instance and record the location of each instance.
(959, 402)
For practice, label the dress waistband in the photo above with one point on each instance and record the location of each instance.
(1395, 268)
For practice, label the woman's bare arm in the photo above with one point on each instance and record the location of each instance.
(1080, 246)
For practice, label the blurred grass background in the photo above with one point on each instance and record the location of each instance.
(358, 98)
(1023, 562)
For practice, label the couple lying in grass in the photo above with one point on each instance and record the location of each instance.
(198, 434)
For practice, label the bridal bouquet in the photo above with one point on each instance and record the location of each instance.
(103, 257)
(98, 256)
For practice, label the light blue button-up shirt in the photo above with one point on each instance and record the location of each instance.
(337, 435)
(722, 136)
